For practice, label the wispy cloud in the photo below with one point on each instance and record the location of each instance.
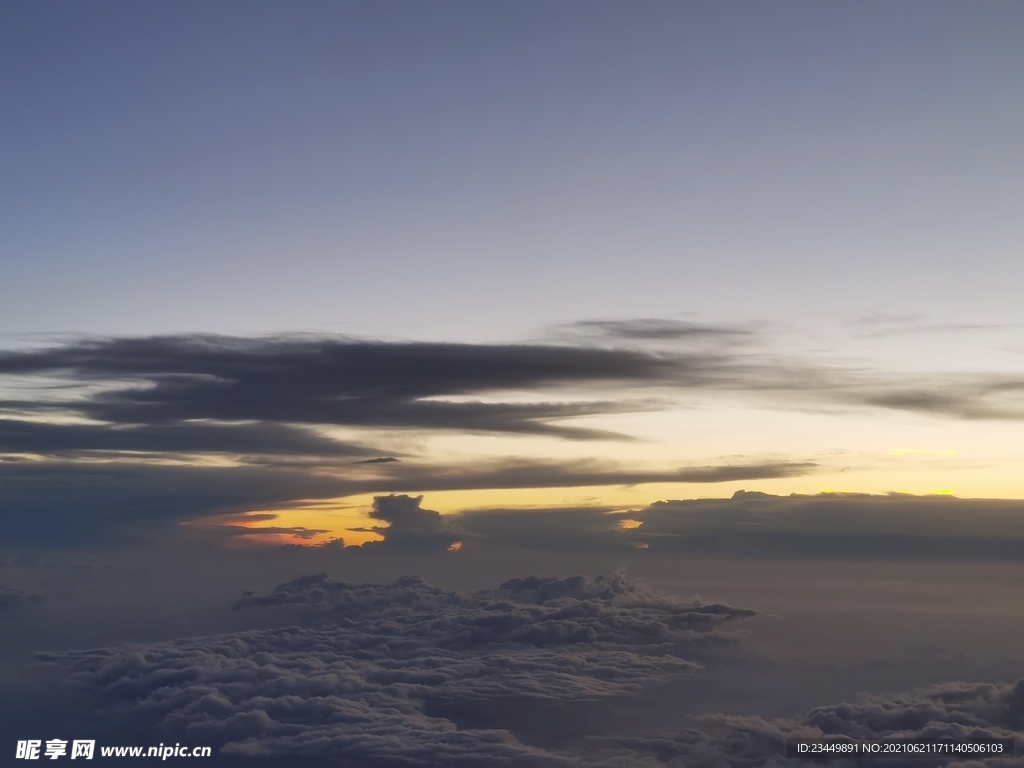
(338, 382)
(293, 381)
(654, 329)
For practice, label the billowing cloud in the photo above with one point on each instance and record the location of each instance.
(381, 675)
(410, 526)
(957, 711)
(537, 672)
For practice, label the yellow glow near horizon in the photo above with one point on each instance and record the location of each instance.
(336, 517)
(339, 516)
(850, 453)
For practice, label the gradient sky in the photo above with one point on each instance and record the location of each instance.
(825, 196)
(467, 171)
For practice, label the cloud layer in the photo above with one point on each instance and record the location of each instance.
(171, 428)
(410, 526)
(76, 502)
(175, 380)
(379, 675)
(187, 382)
(537, 672)
(753, 525)
(958, 711)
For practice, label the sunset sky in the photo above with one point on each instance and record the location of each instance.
(810, 208)
(586, 277)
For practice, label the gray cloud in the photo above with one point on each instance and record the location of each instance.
(179, 393)
(859, 526)
(585, 529)
(536, 474)
(374, 674)
(12, 599)
(259, 402)
(298, 532)
(168, 380)
(406, 673)
(410, 526)
(63, 440)
(879, 325)
(754, 525)
(960, 711)
(79, 502)
(657, 329)
(538, 672)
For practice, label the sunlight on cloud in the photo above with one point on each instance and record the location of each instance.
(314, 525)
(922, 452)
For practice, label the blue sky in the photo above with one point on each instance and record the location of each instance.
(479, 171)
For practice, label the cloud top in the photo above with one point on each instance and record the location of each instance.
(409, 525)
(363, 673)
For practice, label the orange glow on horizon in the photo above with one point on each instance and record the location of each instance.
(320, 522)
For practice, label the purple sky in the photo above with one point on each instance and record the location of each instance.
(480, 170)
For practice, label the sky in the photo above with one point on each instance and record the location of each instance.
(518, 328)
